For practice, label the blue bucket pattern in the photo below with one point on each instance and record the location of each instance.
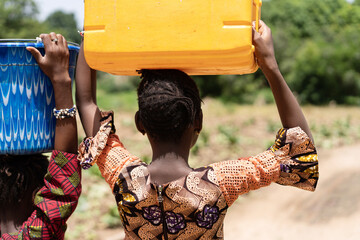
(27, 123)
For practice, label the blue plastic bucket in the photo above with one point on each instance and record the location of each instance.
(27, 124)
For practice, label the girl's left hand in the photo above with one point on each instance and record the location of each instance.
(55, 62)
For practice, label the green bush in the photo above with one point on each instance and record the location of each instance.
(317, 45)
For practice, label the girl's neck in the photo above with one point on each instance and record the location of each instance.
(8, 227)
(168, 167)
(174, 152)
(13, 218)
(170, 158)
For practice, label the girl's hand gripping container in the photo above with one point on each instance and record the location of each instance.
(27, 123)
(199, 37)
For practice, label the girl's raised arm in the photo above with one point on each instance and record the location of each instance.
(86, 95)
(289, 109)
(55, 64)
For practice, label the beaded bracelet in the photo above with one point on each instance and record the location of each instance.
(65, 113)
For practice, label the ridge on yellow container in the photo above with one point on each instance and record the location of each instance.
(199, 37)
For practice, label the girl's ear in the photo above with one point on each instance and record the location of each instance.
(139, 124)
(198, 121)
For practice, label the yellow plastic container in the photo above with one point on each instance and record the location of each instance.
(200, 37)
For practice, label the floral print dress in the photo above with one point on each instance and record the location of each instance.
(194, 206)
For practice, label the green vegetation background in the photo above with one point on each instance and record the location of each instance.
(317, 47)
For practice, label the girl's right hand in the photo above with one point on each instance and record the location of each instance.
(55, 62)
(264, 47)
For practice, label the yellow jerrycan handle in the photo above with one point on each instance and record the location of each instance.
(258, 4)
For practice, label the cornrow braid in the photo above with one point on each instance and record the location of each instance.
(20, 176)
(169, 102)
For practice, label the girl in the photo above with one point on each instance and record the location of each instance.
(167, 199)
(25, 212)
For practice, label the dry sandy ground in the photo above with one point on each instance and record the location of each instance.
(278, 212)
(332, 212)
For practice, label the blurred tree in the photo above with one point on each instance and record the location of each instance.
(18, 19)
(234, 88)
(316, 44)
(64, 23)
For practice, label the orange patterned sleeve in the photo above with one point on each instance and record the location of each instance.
(106, 150)
(292, 161)
(239, 176)
(113, 159)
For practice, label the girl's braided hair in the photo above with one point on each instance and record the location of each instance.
(169, 102)
(20, 177)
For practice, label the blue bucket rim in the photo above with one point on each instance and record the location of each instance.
(30, 43)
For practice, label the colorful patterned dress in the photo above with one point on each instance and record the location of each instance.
(194, 206)
(55, 202)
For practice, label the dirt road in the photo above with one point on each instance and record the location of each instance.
(332, 212)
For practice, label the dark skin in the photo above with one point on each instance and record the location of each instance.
(171, 155)
(55, 64)
(170, 159)
(289, 110)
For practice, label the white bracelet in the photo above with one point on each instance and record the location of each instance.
(65, 113)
